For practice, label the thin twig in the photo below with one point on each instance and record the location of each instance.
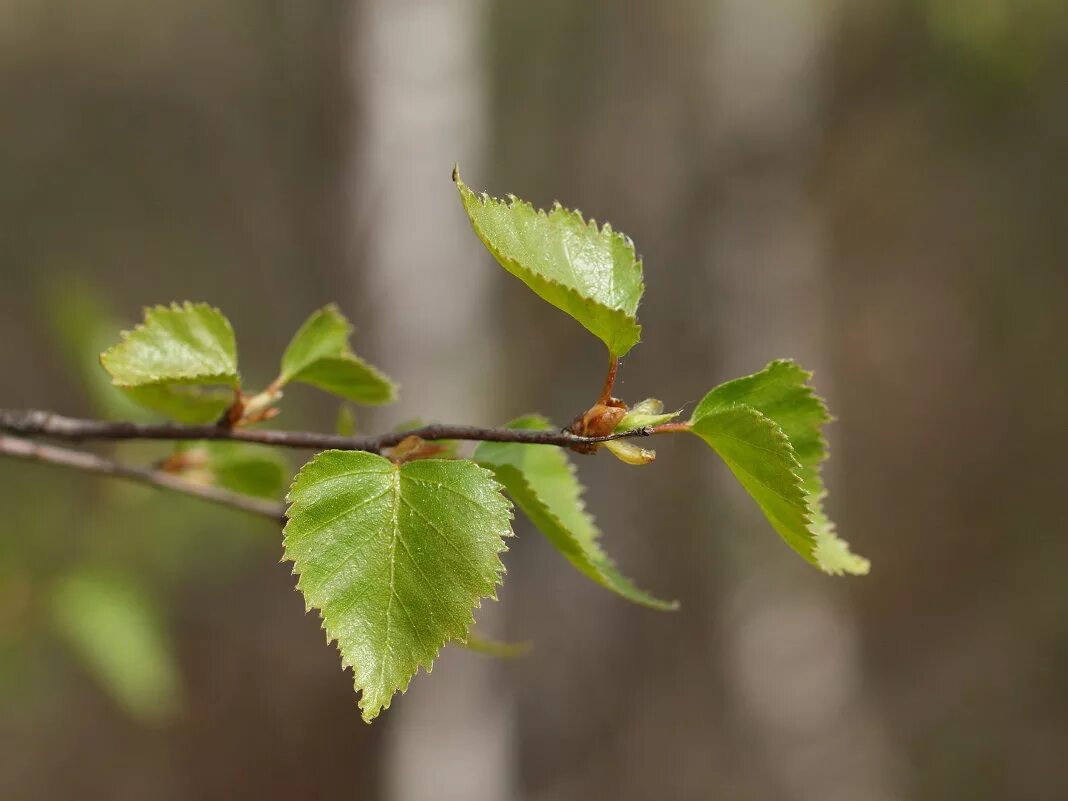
(92, 463)
(31, 423)
(609, 380)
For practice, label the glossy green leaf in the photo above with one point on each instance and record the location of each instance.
(395, 558)
(543, 484)
(177, 344)
(319, 355)
(590, 273)
(115, 629)
(762, 459)
(781, 396)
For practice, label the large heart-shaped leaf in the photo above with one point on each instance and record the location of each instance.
(395, 558)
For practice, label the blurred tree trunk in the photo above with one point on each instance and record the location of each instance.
(420, 82)
(790, 646)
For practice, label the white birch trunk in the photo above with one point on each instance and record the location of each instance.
(419, 74)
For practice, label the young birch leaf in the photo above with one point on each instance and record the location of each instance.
(319, 355)
(543, 484)
(349, 377)
(177, 344)
(762, 459)
(395, 558)
(781, 393)
(649, 412)
(186, 404)
(590, 273)
(239, 466)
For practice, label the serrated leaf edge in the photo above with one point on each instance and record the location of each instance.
(795, 468)
(580, 502)
(644, 598)
(427, 665)
(512, 201)
(179, 377)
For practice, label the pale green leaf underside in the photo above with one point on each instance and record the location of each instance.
(760, 456)
(319, 355)
(325, 333)
(239, 466)
(781, 396)
(543, 484)
(349, 377)
(251, 470)
(590, 273)
(394, 558)
(177, 344)
(186, 404)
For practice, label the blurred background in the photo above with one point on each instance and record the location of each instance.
(878, 189)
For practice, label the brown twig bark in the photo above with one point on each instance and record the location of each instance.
(35, 423)
(16, 426)
(93, 463)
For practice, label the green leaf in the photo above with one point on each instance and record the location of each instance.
(649, 412)
(349, 377)
(177, 344)
(588, 272)
(114, 627)
(762, 459)
(543, 484)
(781, 396)
(185, 404)
(325, 333)
(239, 466)
(395, 558)
(319, 355)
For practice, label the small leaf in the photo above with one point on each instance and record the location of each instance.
(780, 393)
(588, 272)
(239, 466)
(349, 377)
(649, 412)
(325, 333)
(542, 482)
(319, 355)
(116, 630)
(629, 453)
(177, 344)
(395, 558)
(186, 404)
